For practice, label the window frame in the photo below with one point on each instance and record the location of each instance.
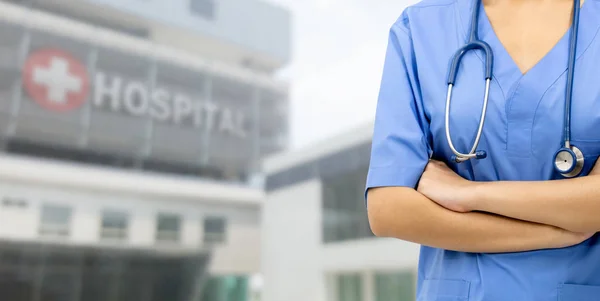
(114, 233)
(344, 215)
(49, 228)
(168, 235)
(209, 236)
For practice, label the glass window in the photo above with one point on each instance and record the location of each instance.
(114, 225)
(215, 229)
(167, 227)
(395, 286)
(344, 210)
(55, 220)
(226, 288)
(349, 287)
(203, 8)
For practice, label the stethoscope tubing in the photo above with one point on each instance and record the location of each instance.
(460, 156)
(473, 44)
(570, 73)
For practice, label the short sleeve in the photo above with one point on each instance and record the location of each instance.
(399, 151)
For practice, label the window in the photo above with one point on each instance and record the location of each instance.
(398, 286)
(167, 227)
(349, 287)
(203, 8)
(214, 230)
(55, 221)
(114, 225)
(226, 288)
(344, 211)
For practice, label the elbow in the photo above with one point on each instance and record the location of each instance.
(377, 222)
(380, 219)
(390, 212)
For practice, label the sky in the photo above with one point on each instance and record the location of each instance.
(338, 50)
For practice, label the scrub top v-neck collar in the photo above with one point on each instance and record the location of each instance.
(550, 66)
(523, 92)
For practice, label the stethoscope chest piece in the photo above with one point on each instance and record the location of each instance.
(569, 161)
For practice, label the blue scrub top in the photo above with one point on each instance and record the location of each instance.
(522, 132)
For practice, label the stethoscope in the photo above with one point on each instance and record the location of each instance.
(568, 160)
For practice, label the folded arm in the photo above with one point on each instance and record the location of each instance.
(406, 214)
(400, 150)
(571, 204)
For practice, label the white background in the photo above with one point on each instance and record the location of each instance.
(338, 48)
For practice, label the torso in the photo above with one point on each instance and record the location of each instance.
(523, 130)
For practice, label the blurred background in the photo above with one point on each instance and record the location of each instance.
(192, 150)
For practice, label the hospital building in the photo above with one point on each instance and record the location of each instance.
(131, 139)
(317, 243)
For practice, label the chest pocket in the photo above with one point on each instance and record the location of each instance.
(444, 290)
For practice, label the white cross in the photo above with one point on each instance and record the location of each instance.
(57, 79)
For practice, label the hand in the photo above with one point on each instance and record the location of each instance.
(443, 186)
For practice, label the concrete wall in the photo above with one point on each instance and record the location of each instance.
(239, 255)
(291, 247)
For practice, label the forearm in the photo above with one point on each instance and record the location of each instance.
(408, 215)
(572, 204)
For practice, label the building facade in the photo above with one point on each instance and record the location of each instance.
(130, 142)
(317, 244)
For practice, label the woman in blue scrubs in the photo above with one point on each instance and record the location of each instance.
(508, 227)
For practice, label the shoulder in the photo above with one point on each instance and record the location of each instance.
(423, 13)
